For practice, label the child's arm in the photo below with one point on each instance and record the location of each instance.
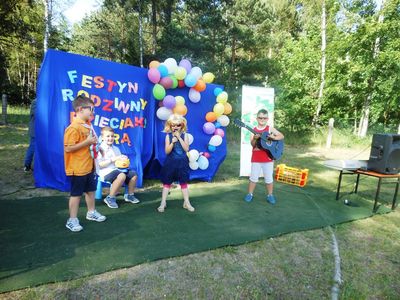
(107, 161)
(275, 134)
(104, 162)
(169, 145)
(185, 142)
(253, 140)
(89, 141)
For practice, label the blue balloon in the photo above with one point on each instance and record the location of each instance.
(211, 148)
(163, 70)
(190, 80)
(217, 124)
(217, 91)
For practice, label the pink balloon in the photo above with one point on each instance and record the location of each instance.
(206, 154)
(154, 75)
(166, 82)
(219, 132)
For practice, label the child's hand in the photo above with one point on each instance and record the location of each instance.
(257, 136)
(174, 139)
(91, 140)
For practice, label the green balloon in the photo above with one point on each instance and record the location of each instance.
(158, 91)
(174, 81)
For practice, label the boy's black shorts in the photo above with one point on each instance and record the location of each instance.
(83, 184)
(110, 177)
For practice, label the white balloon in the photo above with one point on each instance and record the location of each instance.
(163, 113)
(223, 120)
(196, 72)
(193, 155)
(171, 65)
(194, 95)
(191, 138)
(193, 165)
(216, 140)
(203, 162)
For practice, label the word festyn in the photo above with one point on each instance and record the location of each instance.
(100, 82)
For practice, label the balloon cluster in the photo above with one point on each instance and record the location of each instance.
(217, 118)
(198, 160)
(170, 75)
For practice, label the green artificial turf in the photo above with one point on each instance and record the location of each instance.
(36, 248)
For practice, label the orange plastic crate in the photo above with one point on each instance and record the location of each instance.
(291, 175)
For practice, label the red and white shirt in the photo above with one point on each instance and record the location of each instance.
(260, 155)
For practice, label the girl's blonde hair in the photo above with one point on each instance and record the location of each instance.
(175, 119)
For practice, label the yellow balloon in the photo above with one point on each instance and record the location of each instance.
(219, 109)
(154, 64)
(179, 100)
(227, 108)
(208, 77)
(180, 73)
(180, 109)
(222, 97)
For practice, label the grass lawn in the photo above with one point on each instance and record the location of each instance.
(299, 265)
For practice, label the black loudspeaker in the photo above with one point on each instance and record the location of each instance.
(385, 154)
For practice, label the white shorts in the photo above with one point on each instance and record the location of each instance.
(267, 169)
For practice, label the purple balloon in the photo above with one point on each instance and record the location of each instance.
(169, 101)
(186, 64)
(208, 128)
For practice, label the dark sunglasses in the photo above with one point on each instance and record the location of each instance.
(262, 118)
(89, 107)
(176, 125)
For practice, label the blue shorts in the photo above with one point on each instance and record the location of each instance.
(110, 177)
(83, 184)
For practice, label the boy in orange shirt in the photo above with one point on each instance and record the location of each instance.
(79, 164)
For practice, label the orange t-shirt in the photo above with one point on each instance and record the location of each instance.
(79, 162)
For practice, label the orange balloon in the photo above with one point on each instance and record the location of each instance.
(227, 108)
(180, 109)
(154, 64)
(211, 116)
(200, 85)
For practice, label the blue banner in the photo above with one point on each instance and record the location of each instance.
(124, 101)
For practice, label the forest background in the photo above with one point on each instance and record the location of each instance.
(325, 58)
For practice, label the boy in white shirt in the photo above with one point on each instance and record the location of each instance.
(106, 159)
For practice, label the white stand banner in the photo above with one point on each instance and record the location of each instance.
(253, 99)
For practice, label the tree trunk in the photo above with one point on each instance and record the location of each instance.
(364, 120)
(154, 23)
(323, 64)
(140, 33)
(47, 22)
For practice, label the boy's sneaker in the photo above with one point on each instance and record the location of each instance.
(27, 168)
(248, 197)
(131, 198)
(73, 225)
(271, 199)
(95, 216)
(111, 202)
